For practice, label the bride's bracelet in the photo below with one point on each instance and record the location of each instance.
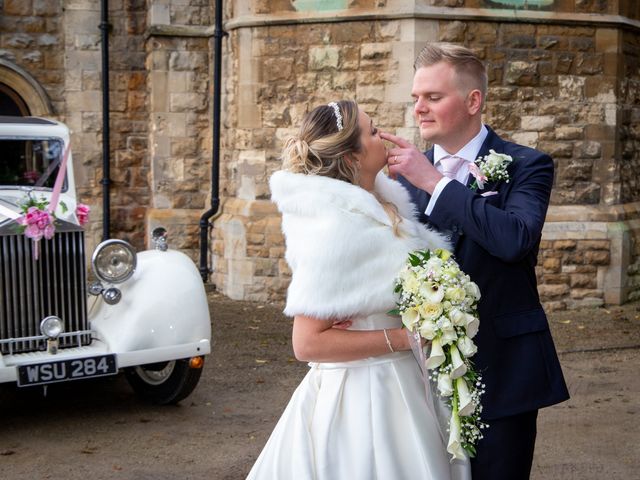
(386, 337)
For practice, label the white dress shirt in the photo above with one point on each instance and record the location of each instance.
(469, 153)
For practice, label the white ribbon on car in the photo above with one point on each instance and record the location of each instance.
(7, 212)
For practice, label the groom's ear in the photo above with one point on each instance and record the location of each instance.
(474, 102)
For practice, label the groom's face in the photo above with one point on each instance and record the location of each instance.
(441, 106)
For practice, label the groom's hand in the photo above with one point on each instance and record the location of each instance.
(405, 159)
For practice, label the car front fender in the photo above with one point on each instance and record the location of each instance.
(163, 304)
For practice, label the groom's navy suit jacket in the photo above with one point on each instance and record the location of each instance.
(496, 241)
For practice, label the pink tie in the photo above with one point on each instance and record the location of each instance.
(450, 165)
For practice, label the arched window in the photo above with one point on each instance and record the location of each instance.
(11, 103)
(20, 93)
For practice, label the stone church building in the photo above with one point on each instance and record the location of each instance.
(564, 78)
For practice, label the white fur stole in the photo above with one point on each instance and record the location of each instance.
(340, 243)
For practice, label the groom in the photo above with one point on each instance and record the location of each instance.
(496, 234)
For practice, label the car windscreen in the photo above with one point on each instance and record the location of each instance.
(30, 162)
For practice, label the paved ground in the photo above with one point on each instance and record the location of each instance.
(99, 430)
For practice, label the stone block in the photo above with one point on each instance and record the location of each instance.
(553, 291)
(589, 149)
(188, 102)
(83, 100)
(18, 7)
(521, 73)
(565, 132)
(323, 58)
(587, 302)
(574, 170)
(606, 40)
(528, 139)
(551, 264)
(370, 94)
(564, 245)
(452, 31)
(537, 123)
(582, 280)
(277, 116)
(33, 59)
(582, 44)
(557, 149)
(375, 51)
(599, 132)
(595, 244)
(564, 62)
(589, 64)
(597, 257)
(277, 69)
(483, 33)
(188, 61)
(571, 87)
(576, 193)
(590, 269)
(503, 94)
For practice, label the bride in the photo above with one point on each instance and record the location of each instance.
(361, 412)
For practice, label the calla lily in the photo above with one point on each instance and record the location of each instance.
(466, 406)
(454, 445)
(410, 318)
(432, 292)
(437, 356)
(459, 367)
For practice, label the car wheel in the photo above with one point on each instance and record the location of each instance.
(164, 383)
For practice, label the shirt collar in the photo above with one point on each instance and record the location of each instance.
(469, 152)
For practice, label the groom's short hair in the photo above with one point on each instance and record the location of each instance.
(467, 65)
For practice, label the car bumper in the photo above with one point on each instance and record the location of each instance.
(9, 363)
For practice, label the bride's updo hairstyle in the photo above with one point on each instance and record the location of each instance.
(321, 148)
(323, 145)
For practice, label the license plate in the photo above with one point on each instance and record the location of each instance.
(65, 370)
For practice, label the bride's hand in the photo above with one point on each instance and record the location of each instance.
(342, 324)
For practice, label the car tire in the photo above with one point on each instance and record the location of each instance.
(164, 383)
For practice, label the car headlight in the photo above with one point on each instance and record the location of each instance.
(114, 261)
(51, 327)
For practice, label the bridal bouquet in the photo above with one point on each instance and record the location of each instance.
(438, 303)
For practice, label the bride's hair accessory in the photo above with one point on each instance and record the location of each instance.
(336, 111)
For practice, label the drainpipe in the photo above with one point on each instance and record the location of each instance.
(106, 181)
(205, 225)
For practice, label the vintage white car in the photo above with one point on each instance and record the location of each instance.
(146, 314)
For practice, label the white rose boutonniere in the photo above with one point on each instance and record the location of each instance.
(490, 168)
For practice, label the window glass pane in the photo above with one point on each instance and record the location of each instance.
(32, 163)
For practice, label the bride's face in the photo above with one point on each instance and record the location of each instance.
(373, 156)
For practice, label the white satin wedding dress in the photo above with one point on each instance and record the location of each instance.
(360, 420)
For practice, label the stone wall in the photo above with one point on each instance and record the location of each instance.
(564, 78)
(32, 37)
(556, 83)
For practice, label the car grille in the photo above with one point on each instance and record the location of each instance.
(30, 290)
